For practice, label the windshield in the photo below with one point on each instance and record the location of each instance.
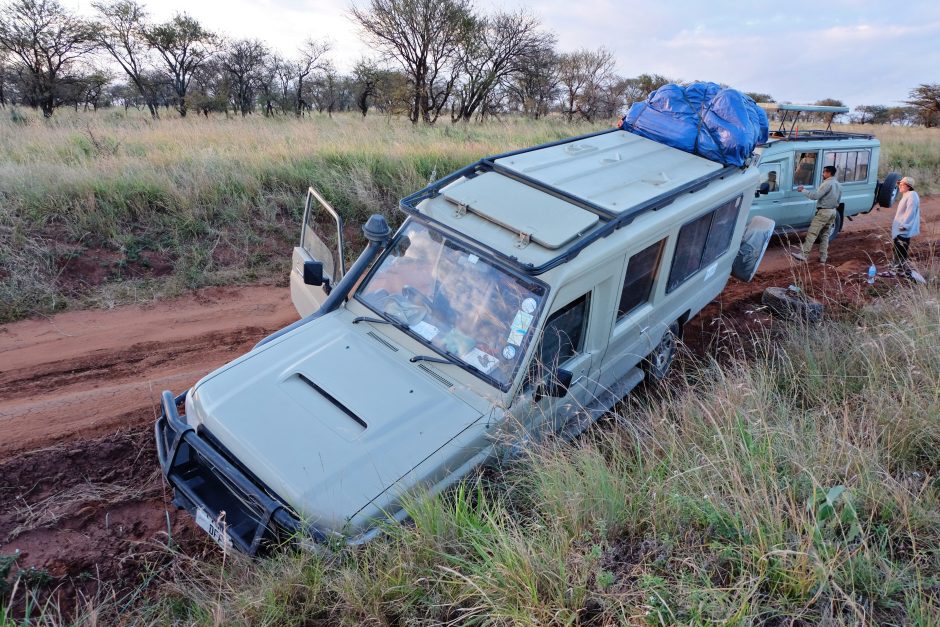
(456, 301)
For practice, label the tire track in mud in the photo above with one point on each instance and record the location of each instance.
(82, 496)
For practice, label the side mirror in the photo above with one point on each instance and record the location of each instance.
(558, 384)
(313, 272)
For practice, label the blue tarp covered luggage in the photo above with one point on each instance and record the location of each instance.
(722, 125)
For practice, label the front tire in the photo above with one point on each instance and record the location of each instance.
(659, 361)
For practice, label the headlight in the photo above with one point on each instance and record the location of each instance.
(195, 415)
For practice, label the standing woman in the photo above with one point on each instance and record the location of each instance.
(906, 223)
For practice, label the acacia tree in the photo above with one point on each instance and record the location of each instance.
(535, 85)
(583, 76)
(45, 42)
(311, 58)
(425, 38)
(925, 98)
(121, 31)
(185, 46)
(871, 114)
(244, 62)
(495, 49)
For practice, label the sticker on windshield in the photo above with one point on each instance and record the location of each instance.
(509, 351)
(520, 324)
(425, 330)
(478, 359)
(472, 258)
(528, 305)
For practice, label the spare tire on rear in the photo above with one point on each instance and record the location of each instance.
(887, 189)
(790, 304)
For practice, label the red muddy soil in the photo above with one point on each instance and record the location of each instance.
(82, 498)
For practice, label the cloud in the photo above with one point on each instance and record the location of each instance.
(859, 51)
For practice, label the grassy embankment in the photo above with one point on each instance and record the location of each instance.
(99, 209)
(142, 209)
(801, 485)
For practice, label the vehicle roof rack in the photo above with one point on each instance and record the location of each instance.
(608, 222)
(791, 114)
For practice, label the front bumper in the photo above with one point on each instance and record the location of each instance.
(204, 478)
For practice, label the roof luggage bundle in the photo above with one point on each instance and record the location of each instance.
(722, 125)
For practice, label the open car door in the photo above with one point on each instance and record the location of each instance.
(316, 265)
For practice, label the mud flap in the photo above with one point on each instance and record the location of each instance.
(757, 235)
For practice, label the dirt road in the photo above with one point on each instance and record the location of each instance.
(81, 495)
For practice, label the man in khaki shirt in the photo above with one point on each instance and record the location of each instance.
(827, 198)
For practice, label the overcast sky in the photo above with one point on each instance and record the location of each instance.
(858, 51)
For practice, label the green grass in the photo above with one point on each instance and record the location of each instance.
(800, 485)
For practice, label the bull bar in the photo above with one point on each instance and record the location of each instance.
(203, 478)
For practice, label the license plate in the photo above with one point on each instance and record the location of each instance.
(215, 530)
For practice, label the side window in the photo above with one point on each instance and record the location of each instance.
(851, 165)
(564, 333)
(641, 272)
(689, 246)
(719, 237)
(861, 168)
(804, 173)
(770, 177)
(702, 241)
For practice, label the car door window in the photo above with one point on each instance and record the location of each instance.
(770, 176)
(641, 273)
(562, 338)
(804, 173)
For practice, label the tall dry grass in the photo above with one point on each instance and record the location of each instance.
(219, 199)
(800, 487)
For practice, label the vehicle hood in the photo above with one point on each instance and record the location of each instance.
(328, 417)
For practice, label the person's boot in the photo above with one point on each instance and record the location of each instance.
(798, 255)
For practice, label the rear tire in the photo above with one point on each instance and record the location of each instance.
(887, 189)
(837, 227)
(658, 362)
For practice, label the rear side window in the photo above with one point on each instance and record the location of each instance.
(702, 241)
(641, 272)
(851, 165)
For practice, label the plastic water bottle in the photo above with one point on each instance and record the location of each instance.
(871, 274)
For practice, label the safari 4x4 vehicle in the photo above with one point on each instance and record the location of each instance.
(523, 296)
(794, 157)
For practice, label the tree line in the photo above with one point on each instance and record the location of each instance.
(433, 59)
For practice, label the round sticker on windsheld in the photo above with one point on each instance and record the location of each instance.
(509, 351)
(528, 305)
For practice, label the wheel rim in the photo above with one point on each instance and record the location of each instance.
(663, 355)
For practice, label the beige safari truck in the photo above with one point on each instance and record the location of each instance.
(795, 156)
(522, 297)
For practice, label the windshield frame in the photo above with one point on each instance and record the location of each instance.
(531, 283)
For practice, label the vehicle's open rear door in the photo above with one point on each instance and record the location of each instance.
(318, 262)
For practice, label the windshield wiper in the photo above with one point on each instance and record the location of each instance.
(435, 360)
(359, 319)
(383, 320)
